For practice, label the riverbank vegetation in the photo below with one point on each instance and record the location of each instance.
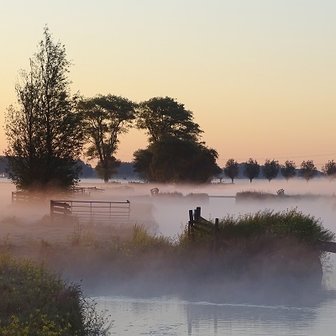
(36, 302)
(273, 253)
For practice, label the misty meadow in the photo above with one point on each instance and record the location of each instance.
(185, 190)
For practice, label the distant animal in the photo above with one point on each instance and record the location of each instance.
(281, 192)
(154, 191)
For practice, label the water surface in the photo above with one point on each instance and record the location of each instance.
(172, 316)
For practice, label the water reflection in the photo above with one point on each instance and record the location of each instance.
(172, 316)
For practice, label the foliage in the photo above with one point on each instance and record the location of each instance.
(279, 224)
(231, 169)
(329, 169)
(142, 241)
(252, 169)
(44, 132)
(288, 170)
(35, 302)
(308, 170)
(254, 195)
(175, 160)
(164, 117)
(270, 169)
(106, 117)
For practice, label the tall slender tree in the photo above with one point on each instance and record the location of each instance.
(44, 130)
(106, 117)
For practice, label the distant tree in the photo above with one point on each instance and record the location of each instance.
(308, 170)
(44, 130)
(106, 117)
(329, 169)
(270, 169)
(288, 170)
(175, 160)
(252, 169)
(231, 169)
(164, 117)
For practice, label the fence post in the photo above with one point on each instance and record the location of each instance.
(197, 214)
(216, 234)
(190, 223)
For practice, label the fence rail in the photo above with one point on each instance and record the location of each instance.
(91, 211)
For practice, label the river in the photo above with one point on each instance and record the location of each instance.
(172, 316)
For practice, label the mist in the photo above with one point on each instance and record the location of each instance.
(165, 214)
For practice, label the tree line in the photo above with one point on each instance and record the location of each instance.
(49, 129)
(271, 169)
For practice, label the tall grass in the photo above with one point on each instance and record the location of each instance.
(290, 223)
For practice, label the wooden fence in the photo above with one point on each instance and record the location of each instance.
(198, 223)
(97, 212)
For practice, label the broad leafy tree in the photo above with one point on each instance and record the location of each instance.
(288, 170)
(270, 169)
(329, 169)
(308, 170)
(106, 117)
(164, 117)
(231, 169)
(43, 129)
(175, 160)
(174, 153)
(251, 169)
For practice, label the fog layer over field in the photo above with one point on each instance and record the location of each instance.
(167, 213)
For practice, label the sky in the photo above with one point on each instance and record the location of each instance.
(259, 75)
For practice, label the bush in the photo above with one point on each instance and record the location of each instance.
(36, 302)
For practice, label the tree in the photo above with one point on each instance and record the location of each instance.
(270, 169)
(231, 169)
(175, 160)
(174, 153)
(106, 117)
(44, 130)
(252, 169)
(329, 169)
(164, 117)
(288, 170)
(308, 170)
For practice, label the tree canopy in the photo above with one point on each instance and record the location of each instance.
(106, 117)
(308, 170)
(288, 170)
(270, 169)
(252, 169)
(44, 130)
(231, 169)
(329, 169)
(164, 117)
(176, 160)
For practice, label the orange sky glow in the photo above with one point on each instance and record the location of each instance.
(259, 76)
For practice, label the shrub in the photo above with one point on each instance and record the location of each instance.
(36, 302)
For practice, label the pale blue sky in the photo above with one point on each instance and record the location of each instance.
(259, 75)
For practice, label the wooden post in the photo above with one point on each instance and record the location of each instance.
(190, 223)
(216, 234)
(197, 213)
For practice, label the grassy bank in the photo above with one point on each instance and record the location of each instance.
(36, 302)
(267, 252)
